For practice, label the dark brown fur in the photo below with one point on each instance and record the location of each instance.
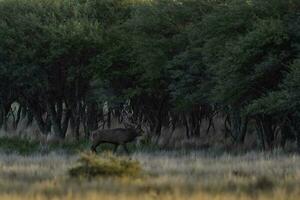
(118, 136)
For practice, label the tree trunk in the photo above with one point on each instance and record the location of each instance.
(18, 117)
(1, 117)
(296, 128)
(260, 135)
(91, 118)
(109, 118)
(37, 115)
(59, 126)
(238, 125)
(227, 127)
(186, 124)
(74, 125)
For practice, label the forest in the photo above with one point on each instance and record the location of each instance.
(79, 64)
(201, 78)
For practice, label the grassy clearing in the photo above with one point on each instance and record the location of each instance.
(167, 175)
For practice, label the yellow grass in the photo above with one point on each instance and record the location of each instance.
(167, 175)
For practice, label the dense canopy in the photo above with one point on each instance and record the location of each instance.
(170, 63)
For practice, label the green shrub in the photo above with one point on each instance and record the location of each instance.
(25, 146)
(263, 183)
(91, 165)
(18, 145)
(70, 147)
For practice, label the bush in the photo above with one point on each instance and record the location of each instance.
(26, 146)
(18, 145)
(263, 184)
(70, 147)
(91, 165)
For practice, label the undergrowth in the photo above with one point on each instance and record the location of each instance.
(92, 165)
(25, 146)
(18, 145)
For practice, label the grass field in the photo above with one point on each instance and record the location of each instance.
(166, 175)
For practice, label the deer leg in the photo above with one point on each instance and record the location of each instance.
(94, 147)
(116, 147)
(126, 149)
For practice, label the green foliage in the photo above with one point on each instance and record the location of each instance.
(26, 146)
(192, 57)
(18, 145)
(91, 166)
(71, 147)
(248, 62)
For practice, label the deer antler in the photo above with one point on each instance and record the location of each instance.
(127, 118)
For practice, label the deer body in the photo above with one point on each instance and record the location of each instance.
(118, 136)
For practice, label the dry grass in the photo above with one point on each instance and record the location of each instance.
(168, 175)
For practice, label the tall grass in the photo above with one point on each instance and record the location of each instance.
(168, 175)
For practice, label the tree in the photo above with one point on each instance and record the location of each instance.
(50, 48)
(249, 62)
